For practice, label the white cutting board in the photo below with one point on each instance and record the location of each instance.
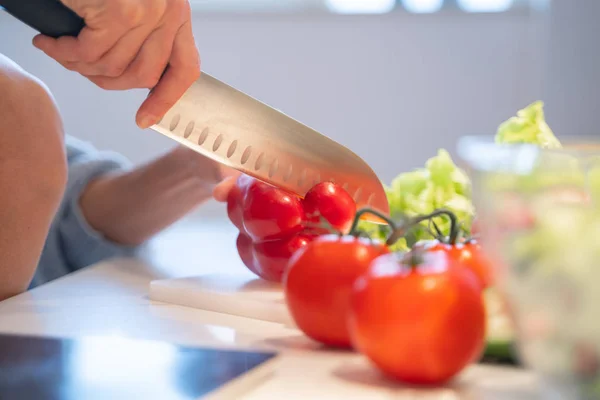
(240, 294)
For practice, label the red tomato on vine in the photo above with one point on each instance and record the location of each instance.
(419, 318)
(318, 282)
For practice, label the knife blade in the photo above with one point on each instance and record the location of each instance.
(237, 130)
(243, 133)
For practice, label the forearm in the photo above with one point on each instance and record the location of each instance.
(131, 207)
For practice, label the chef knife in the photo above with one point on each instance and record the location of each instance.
(236, 130)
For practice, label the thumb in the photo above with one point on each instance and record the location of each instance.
(221, 191)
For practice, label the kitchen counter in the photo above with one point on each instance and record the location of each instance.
(111, 298)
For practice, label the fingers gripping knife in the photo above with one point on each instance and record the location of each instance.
(235, 129)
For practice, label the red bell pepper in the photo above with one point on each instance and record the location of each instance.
(274, 223)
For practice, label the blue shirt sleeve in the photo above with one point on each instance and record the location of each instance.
(72, 243)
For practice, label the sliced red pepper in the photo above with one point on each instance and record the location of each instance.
(329, 201)
(272, 257)
(244, 248)
(270, 213)
(273, 223)
(235, 199)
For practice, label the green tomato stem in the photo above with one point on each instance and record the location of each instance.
(398, 233)
(365, 211)
(413, 258)
(438, 233)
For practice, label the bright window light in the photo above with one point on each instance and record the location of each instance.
(360, 6)
(422, 6)
(485, 5)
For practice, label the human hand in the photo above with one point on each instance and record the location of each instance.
(221, 191)
(128, 44)
(130, 206)
(214, 176)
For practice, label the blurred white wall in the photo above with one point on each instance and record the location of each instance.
(572, 84)
(393, 88)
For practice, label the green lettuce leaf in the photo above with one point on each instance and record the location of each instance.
(440, 184)
(528, 127)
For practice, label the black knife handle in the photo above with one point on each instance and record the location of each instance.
(49, 17)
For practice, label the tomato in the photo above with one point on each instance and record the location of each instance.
(318, 281)
(271, 213)
(329, 201)
(469, 255)
(272, 256)
(419, 319)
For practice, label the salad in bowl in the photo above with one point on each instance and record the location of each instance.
(537, 203)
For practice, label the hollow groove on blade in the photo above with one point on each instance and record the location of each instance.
(238, 131)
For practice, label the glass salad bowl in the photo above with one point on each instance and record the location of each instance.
(538, 213)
